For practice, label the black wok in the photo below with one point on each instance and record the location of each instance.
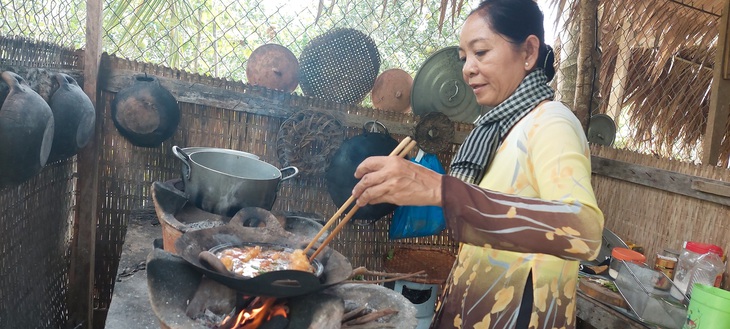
(333, 266)
(341, 170)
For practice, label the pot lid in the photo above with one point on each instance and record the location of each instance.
(601, 129)
(440, 87)
(392, 91)
(434, 132)
(273, 66)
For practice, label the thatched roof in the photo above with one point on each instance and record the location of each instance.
(670, 69)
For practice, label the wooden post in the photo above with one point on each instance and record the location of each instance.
(586, 66)
(81, 273)
(719, 94)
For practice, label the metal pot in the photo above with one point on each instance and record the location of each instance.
(223, 182)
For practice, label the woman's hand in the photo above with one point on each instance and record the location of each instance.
(391, 179)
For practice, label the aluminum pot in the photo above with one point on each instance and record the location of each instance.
(223, 182)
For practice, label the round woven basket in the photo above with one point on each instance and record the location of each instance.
(308, 139)
(340, 65)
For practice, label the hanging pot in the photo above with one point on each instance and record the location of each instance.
(26, 131)
(340, 173)
(74, 118)
(145, 113)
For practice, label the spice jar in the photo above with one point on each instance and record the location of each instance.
(665, 263)
(618, 254)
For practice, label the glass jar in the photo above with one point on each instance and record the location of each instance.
(708, 270)
(687, 260)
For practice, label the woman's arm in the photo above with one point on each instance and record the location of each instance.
(564, 221)
(486, 218)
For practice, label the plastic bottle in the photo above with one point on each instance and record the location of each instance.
(708, 270)
(687, 259)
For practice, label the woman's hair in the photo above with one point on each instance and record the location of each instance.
(516, 20)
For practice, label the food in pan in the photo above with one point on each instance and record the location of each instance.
(250, 261)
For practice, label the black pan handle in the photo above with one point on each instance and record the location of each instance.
(371, 127)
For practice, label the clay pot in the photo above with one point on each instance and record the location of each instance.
(145, 113)
(74, 118)
(26, 132)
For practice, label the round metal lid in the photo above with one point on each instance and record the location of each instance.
(601, 130)
(273, 66)
(439, 87)
(392, 91)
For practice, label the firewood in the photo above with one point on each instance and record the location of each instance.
(372, 316)
(360, 311)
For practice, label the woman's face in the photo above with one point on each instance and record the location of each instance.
(493, 66)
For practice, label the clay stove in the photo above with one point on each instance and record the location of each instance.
(183, 289)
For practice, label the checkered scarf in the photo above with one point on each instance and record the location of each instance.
(477, 151)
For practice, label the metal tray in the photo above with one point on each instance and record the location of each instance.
(636, 283)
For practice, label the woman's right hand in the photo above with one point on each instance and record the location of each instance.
(391, 179)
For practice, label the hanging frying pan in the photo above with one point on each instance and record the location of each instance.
(340, 173)
(439, 87)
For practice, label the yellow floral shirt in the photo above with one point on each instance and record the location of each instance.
(534, 211)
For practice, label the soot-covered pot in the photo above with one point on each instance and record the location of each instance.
(74, 118)
(26, 132)
(145, 113)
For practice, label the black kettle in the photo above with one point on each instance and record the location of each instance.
(74, 118)
(26, 132)
(145, 113)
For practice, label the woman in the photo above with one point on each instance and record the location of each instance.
(519, 197)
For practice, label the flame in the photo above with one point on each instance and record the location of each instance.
(252, 318)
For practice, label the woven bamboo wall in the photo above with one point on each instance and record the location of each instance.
(36, 217)
(657, 219)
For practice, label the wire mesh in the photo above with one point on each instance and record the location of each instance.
(61, 22)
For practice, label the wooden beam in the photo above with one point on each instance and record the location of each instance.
(665, 180)
(274, 106)
(81, 273)
(719, 94)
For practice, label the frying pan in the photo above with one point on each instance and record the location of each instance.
(243, 229)
(340, 173)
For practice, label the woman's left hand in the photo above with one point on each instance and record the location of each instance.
(391, 179)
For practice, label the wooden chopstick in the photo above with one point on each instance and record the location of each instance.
(401, 153)
(350, 200)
